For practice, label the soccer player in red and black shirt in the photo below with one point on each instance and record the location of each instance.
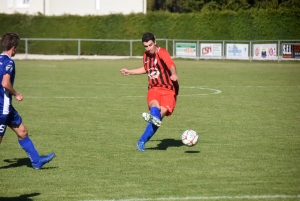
(162, 88)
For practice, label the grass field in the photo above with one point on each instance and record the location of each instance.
(247, 115)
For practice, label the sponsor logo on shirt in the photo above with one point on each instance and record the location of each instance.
(9, 68)
(154, 73)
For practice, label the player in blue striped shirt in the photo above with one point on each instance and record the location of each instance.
(8, 115)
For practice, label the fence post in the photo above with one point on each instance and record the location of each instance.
(79, 48)
(26, 47)
(278, 50)
(166, 44)
(198, 54)
(223, 51)
(251, 56)
(173, 48)
(130, 48)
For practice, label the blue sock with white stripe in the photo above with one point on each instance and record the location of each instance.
(29, 148)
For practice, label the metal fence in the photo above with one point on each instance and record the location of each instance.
(192, 49)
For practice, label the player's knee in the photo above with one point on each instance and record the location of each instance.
(154, 103)
(164, 112)
(22, 133)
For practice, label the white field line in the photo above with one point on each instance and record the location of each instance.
(64, 97)
(211, 91)
(251, 197)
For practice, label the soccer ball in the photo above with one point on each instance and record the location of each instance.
(189, 138)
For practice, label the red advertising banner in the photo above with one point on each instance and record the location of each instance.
(296, 51)
(291, 51)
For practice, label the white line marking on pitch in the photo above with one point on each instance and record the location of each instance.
(213, 92)
(210, 198)
(64, 97)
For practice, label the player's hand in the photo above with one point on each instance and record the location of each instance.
(19, 97)
(125, 71)
(174, 78)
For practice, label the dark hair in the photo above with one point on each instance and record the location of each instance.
(9, 40)
(148, 36)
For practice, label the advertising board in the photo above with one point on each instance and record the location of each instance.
(211, 50)
(237, 51)
(264, 52)
(296, 52)
(290, 51)
(186, 50)
(287, 51)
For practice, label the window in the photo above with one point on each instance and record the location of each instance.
(22, 3)
(10, 3)
(97, 4)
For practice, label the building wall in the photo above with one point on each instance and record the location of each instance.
(73, 7)
(105, 7)
(21, 6)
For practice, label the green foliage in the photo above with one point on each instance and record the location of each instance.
(236, 5)
(290, 4)
(211, 6)
(90, 116)
(253, 24)
(188, 6)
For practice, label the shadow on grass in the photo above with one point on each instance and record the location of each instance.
(16, 162)
(25, 197)
(166, 143)
(192, 152)
(19, 162)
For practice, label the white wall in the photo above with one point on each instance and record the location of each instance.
(120, 6)
(73, 7)
(21, 6)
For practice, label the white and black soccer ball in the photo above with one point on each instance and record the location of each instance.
(189, 138)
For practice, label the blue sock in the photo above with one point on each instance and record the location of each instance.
(155, 112)
(151, 129)
(29, 148)
(148, 133)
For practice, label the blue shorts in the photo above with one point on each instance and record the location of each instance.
(13, 118)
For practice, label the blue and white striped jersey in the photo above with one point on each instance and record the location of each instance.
(7, 65)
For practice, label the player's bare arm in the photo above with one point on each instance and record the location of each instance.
(135, 71)
(8, 86)
(173, 76)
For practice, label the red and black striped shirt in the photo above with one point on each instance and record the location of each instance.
(158, 67)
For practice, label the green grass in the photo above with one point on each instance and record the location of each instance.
(247, 115)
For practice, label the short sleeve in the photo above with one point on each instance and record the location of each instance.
(165, 56)
(9, 67)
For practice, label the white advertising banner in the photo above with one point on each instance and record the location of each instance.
(211, 50)
(237, 51)
(265, 52)
(186, 50)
